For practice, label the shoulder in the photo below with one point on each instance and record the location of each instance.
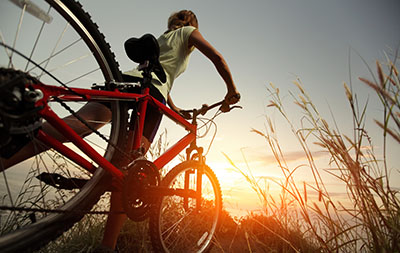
(188, 29)
(178, 38)
(184, 34)
(185, 30)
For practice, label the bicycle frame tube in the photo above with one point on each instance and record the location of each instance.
(63, 149)
(77, 94)
(141, 116)
(183, 142)
(93, 95)
(71, 135)
(174, 150)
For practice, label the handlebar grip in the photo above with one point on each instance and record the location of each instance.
(224, 107)
(237, 96)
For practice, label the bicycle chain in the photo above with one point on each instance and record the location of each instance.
(91, 128)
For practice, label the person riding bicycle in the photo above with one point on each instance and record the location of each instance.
(176, 45)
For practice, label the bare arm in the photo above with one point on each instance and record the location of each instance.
(198, 41)
(177, 109)
(171, 104)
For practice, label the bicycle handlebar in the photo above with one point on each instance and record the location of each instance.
(205, 108)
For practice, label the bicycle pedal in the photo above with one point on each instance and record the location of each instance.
(61, 182)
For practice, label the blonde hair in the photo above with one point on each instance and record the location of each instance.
(182, 18)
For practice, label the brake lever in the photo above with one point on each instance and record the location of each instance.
(231, 108)
(186, 114)
(235, 107)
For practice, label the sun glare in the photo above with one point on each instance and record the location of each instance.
(238, 194)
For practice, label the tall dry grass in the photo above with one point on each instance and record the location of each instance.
(295, 221)
(371, 223)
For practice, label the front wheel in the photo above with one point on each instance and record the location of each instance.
(180, 224)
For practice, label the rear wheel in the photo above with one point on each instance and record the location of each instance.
(178, 224)
(60, 37)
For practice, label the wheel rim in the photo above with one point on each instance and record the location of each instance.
(70, 60)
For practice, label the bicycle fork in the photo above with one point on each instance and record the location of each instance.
(199, 182)
(199, 177)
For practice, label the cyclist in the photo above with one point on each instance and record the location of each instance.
(176, 45)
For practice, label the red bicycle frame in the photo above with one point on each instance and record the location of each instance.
(78, 94)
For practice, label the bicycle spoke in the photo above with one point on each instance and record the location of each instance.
(182, 225)
(53, 53)
(40, 182)
(82, 76)
(36, 41)
(171, 228)
(21, 18)
(8, 53)
(66, 64)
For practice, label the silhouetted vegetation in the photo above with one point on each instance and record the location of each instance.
(371, 222)
(295, 221)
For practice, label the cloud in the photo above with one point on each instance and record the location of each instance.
(260, 155)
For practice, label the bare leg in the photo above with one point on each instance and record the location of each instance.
(94, 113)
(116, 221)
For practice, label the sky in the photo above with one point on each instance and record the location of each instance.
(323, 43)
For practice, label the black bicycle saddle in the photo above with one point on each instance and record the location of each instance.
(144, 49)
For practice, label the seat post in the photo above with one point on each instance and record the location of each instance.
(141, 116)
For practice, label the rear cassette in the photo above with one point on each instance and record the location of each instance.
(18, 114)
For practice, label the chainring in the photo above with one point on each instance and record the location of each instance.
(137, 201)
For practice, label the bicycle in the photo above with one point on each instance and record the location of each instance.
(65, 182)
